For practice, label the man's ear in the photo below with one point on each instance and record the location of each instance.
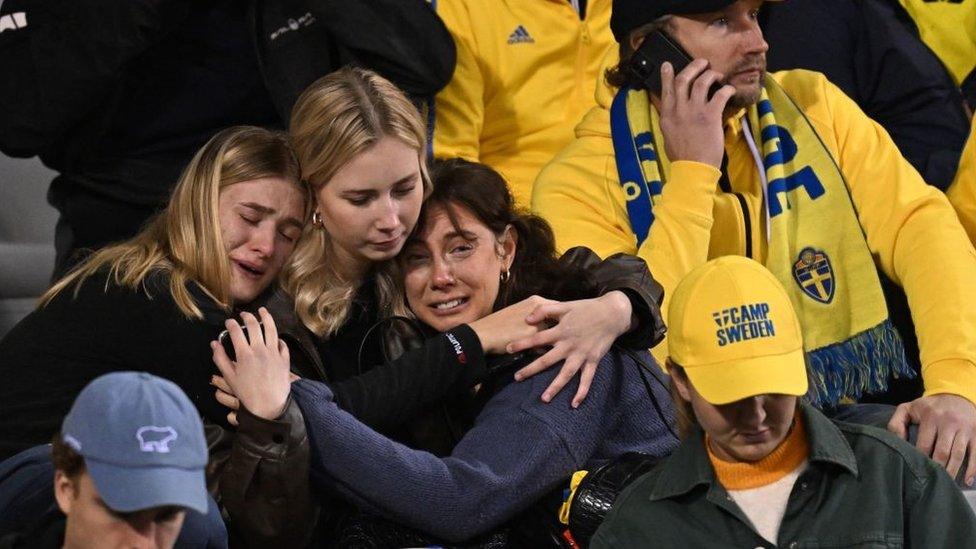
(65, 490)
(636, 40)
(680, 381)
(509, 243)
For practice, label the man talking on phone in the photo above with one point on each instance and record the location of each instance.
(785, 169)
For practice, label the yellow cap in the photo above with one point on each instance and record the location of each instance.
(733, 330)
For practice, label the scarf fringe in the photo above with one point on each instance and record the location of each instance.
(861, 364)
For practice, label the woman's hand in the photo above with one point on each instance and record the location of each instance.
(583, 332)
(497, 330)
(260, 377)
(225, 396)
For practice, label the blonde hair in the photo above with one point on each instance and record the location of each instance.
(184, 240)
(334, 120)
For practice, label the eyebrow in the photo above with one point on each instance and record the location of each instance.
(271, 211)
(465, 235)
(402, 180)
(258, 207)
(406, 179)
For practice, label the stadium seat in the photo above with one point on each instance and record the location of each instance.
(26, 237)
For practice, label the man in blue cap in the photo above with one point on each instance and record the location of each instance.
(129, 463)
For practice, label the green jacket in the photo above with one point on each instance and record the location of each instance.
(863, 488)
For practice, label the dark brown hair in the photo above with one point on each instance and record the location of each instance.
(683, 412)
(65, 458)
(536, 270)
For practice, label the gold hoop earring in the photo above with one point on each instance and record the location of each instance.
(317, 218)
(505, 276)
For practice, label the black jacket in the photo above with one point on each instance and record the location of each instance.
(96, 88)
(863, 47)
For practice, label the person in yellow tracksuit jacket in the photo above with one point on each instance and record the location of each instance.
(909, 227)
(526, 70)
(962, 192)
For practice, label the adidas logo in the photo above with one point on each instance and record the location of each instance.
(520, 36)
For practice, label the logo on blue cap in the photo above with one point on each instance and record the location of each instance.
(155, 439)
(142, 441)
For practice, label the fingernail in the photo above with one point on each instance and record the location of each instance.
(546, 397)
(508, 348)
(576, 404)
(969, 482)
(518, 377)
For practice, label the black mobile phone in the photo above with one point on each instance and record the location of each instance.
(228, 343)
(658, 47)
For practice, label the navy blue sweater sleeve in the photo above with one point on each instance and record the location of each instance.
(518, 449)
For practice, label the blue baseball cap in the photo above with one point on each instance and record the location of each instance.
(142, 441)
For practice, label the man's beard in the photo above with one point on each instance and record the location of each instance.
(746, 98)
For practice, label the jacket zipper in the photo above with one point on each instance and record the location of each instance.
(726, 187)
(747, 222)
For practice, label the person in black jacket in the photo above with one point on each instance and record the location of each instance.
(116, 96)
(864, 48)
(362, 148)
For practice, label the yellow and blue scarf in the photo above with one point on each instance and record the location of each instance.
(817, 248)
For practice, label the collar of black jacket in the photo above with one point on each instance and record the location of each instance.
(689, 466)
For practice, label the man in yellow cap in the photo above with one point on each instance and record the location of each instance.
(758, 468)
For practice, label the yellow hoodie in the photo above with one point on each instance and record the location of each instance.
(962, 192)
(525, 75)
(910, 227)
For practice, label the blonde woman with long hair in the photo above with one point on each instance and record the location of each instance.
(154, 303)
(362, 146)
